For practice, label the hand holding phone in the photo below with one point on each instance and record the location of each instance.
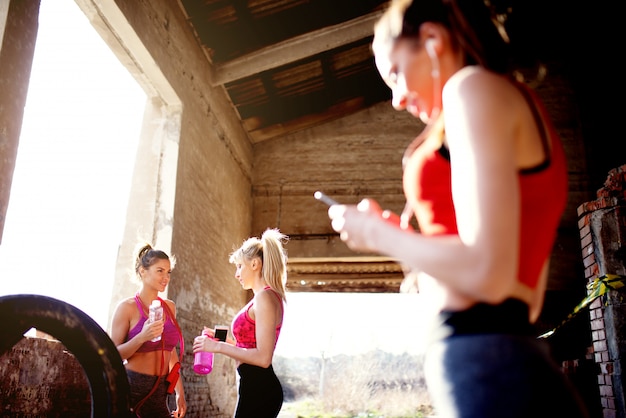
(325, 198)
(221, 332)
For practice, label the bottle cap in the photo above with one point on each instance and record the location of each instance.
(156, 303)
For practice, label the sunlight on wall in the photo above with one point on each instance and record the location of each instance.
(70, 188)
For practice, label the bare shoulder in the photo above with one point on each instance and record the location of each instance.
(171, 305)
(267, 296)
(484, 97)
(474, 82)
(125, 307)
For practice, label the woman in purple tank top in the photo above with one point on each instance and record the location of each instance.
(262, 268)
(148, 362)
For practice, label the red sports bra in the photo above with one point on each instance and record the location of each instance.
(244, 327)
(428, 190)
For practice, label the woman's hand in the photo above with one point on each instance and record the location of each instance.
(210, 332)
(181, 407)
(152, 330)
(205, 343)
(355, 223)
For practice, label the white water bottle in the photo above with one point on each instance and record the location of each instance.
(156, 314)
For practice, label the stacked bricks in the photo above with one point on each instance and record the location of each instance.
(602, 226)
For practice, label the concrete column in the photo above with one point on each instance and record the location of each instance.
(150, 212)
(19, 22)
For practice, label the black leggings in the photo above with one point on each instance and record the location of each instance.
(140, 385)
(260, 392)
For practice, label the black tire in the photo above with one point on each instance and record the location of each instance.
(80, 334)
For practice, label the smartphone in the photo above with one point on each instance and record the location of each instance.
(221, 332)
(325, 198)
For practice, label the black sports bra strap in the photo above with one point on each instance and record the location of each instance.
(541, 126)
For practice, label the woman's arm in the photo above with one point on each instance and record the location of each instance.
(482, 119)
(481, 261)
(181, 403)
(266, 315)
(120, 326)
(211, 333)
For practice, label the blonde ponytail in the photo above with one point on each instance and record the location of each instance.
(271, 250)
(275, 261)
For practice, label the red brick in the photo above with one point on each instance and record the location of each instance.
(606, 390)
(597, 324)
(585, 230)
(587, 249)
(584, 221)
(589, 260)
(607, 368)
(586, 240)
(596, 304)
(610, 403)
(599, 346)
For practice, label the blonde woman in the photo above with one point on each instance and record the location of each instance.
(261, 266)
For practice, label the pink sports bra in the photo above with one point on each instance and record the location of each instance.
(244, 327)
(169, 336)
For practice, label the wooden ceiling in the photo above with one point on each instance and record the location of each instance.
(290, 64)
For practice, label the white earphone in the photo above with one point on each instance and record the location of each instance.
(430, 48)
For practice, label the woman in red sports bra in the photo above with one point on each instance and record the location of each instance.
(147, 362)
(262, 268)
(486, 181)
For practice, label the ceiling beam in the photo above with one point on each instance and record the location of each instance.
(296, 48)
(373, 274)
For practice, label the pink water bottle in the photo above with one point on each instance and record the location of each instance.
(203, 362)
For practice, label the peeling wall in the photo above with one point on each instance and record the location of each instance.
(213, 204)
(39, 378)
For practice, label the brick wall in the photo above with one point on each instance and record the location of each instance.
(602, 225)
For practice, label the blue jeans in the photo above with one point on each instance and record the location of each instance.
(503, 371)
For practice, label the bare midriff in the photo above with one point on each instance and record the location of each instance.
(150, 363)
(445, 298)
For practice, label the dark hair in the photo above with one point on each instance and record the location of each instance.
(147, 256)
(472, 24)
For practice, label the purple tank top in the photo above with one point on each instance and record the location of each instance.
(169, 336)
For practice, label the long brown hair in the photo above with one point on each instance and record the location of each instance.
(472, 25)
